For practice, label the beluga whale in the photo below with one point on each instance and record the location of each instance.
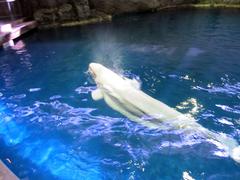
(125, 96)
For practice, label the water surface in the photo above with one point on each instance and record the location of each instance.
(50, 128)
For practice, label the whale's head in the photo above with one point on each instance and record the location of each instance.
(109, 82)
(104, 76)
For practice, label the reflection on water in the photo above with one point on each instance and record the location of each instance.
(78, 159)
(225, 88)
(46, 152)
(157, 49)
(7, 71)
(6, 74)
(194, 52)
(34, 89)
(25, 57)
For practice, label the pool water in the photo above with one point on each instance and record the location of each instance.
(50, 128)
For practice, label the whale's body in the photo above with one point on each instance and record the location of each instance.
(125, 96)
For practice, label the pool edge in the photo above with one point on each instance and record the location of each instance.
(6, 173)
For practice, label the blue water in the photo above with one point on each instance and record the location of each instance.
(50, 128)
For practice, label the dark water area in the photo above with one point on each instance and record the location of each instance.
(50, 128)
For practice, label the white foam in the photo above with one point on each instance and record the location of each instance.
(186, 176)
(224, 121)
(34, 89)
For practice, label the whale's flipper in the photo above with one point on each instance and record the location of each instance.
(97, 94)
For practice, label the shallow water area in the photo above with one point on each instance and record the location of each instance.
(50, 128)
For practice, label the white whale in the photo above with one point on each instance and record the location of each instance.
(124, 95)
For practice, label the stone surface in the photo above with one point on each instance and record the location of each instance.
(51, 12)
(5, 173)
(46, 15)
(220, 1)
(82, 8)
(124, 6)
(65, 12)
(60, 11)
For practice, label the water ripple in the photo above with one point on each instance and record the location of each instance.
(229, 89)
(235, 109)
(85, 90)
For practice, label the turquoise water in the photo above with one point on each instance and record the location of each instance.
(50, 128)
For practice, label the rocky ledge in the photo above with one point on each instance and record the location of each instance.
(56, 13)
(52, 13)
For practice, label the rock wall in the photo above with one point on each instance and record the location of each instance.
(58, 11)
(124, 6)
(237, 2)
(52, 11)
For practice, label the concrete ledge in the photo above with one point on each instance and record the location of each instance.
(94, 20)
(88, 21)
(16, 32)
(235, 6)
(5, 173)
(203, 6)
(22, 29)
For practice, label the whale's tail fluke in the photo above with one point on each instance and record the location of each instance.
(235, 154)
(228, 144)
(231, 146)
